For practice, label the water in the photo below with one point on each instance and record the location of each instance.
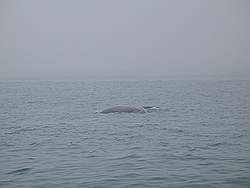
(51, 137)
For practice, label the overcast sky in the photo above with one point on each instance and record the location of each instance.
(79, 39)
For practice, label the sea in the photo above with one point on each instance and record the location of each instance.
(51, 134)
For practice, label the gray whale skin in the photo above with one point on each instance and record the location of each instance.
(120, 109)
(129, 109)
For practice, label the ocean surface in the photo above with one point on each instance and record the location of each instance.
(51, 136)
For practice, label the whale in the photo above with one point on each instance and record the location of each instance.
(123, 109)
(129, 109)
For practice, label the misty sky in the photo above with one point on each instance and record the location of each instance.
(79, 39)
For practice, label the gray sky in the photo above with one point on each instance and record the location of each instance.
(55, 39)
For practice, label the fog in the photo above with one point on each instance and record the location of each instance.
(124, 39)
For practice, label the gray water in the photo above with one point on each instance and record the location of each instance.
(51, 136)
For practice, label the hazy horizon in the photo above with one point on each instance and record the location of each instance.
(79, 40)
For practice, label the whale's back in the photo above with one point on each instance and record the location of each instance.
(121, 109)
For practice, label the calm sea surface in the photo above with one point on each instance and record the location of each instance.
(51, 136)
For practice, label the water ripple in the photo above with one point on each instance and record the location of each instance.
(20, 171)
